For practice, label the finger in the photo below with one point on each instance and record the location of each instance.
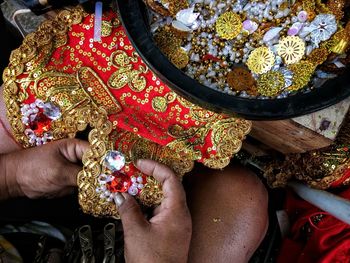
(130, 212)
(70, 175)
(173, 191)
(73, 149)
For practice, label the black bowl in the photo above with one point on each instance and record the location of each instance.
(134, 18)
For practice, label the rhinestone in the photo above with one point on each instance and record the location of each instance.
(114, 161)
(40, 124)
(120, 183)
(140, 179)
(133, 191)
(52, 111)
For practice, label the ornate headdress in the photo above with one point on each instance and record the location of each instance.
(61, 82)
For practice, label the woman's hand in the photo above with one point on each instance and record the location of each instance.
(166, 236)
(46, 171)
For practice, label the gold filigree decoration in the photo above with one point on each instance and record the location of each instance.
(271, 83)
(291, 49)
(106, 28)
(126, 74)
(99, 93)
(226, 137)
(261, 60)
(151, 194)
(228, 25)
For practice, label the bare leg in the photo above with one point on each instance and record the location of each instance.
(229, 214)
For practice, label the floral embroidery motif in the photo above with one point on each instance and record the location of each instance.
(126, 75)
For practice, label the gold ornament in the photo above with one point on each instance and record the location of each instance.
(261, 60)
(271, 83)
(179, 58)
(241, 79)
(302, 73)
(228, 25)
(291, 49)
(106, 29)
(159, 104)
(318, 56)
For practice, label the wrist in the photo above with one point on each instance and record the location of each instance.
(9, 185)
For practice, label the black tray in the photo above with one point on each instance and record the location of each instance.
(133, 16)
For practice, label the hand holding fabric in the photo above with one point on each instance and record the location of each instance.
(47, 171)
(166, 236)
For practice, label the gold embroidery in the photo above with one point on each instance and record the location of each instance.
(106, 29)
(159, 104)
(151, 194)
(126, 75)
(98, 92)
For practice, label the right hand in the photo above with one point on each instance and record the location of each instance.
(166, 236)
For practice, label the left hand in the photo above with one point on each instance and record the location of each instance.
(46, 171)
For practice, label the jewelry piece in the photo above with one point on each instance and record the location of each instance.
(228, 25)
(241, 79)
(261, 60)
(271, 83)
(291, 49)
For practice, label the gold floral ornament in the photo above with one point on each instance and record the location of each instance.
(291, 49)
(271, 83)
(261, 60)
(126, 74)
(179, 58)
(241, 79)
(302, 73)
(228, 25)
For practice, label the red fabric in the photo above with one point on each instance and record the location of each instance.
(327, 241)
(134, 117)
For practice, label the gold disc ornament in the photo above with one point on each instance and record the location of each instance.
(261, 60)
(271, 83)
(229, 25)
(291, 49)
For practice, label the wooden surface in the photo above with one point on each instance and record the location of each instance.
(305, 133)
(288, 136)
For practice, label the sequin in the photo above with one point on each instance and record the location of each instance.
(322, 28)
(228, 25)
(291, 49)
(261, 60)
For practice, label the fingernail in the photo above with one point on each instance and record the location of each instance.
(119, 199)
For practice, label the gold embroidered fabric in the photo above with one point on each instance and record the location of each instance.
(73, 83)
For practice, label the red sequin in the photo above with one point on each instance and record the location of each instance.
(121, 183)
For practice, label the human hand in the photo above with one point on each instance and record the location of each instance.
(166, 236)
(46, 171)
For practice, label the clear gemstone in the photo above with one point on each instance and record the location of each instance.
(133, 190)
(114, 161)
(52, 111)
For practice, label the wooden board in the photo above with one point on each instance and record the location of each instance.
(288, 136)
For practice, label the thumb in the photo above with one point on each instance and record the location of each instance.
(73, 149)
(70, 174)
(130, 212)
